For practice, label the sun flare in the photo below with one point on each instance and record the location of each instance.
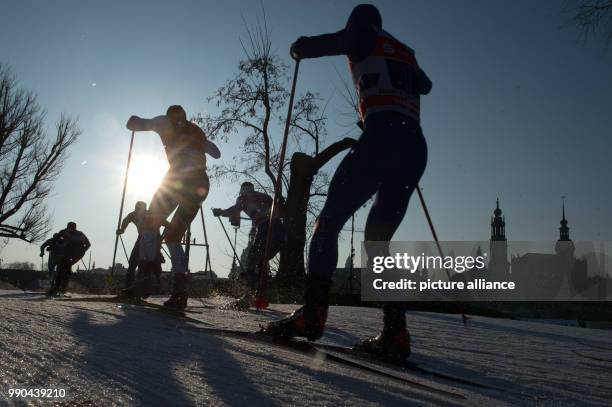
(145, 175)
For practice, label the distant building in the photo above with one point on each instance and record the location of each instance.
(498, 249)
(550, 273)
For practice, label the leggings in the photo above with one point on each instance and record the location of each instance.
(256, 253)
(388, 161)
(184, 191)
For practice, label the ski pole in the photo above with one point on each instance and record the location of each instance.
(263, 277)
(460, 307)
(431, 226)
(127, 171)
(124, 251)
(230, 242)
(207, 265)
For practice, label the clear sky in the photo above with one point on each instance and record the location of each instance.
(520, 108)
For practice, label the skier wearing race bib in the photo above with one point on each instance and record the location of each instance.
(387, 161)
(184, 187)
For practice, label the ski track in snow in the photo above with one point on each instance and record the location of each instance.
(107, 354)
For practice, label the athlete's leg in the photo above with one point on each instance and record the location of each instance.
(132, 264)
(193, 192)
(354, 182)
(255, 255)
(166, 198)
(403, 173)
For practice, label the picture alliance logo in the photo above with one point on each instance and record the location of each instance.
(405, 261)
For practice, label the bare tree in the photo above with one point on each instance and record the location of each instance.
(594, 17)
(30, 161)
(252, 104)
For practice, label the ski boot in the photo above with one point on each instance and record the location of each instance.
(307, 321)
(52, 292)
(393, 344)
(387, 347)
(145, 280)
(178, 299)
(128, 293)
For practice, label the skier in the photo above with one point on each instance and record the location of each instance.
(54, 247)
(387, 160)
(136, 217)
(257, 206)
(149, 256)
(74, 246)
(184, 187)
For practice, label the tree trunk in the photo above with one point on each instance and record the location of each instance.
(291, 271)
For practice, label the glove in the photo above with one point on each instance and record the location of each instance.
(216, 211)
(293, 50)
(42, 254)
(120, 231)
(130, 123)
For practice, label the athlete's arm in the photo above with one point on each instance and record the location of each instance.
(424, 83)
(125, 222)
(157, 124)
(356, 40)
(212, 149)
(44, 245)
(86, 243)
(227, 212)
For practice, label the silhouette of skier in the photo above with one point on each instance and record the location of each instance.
(257, 205)
(54, 247)
(138, 218)
(74, 244)
(387, 161)
(184, 186)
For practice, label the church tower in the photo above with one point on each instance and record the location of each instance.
(498, 225)
(564, 229)
(498, 263)
(564, 245)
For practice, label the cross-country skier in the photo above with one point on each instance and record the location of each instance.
(184, 187)
(136, 217)
(257, 205)
(74, 246)
(54, 247)
(149, 256)
(387, 161)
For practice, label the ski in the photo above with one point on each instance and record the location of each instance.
(591, 357)
(408, 367)
(312, 350)
(599, 345)
(123, 301)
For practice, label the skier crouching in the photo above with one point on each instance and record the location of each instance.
(184, 187)
(388, 161)
(75, 244)
(54, 246)
(257, 205)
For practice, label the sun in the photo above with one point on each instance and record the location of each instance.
(145, 175)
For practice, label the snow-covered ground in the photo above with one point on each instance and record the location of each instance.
(105, 354)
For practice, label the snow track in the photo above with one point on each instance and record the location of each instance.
(104, 353)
